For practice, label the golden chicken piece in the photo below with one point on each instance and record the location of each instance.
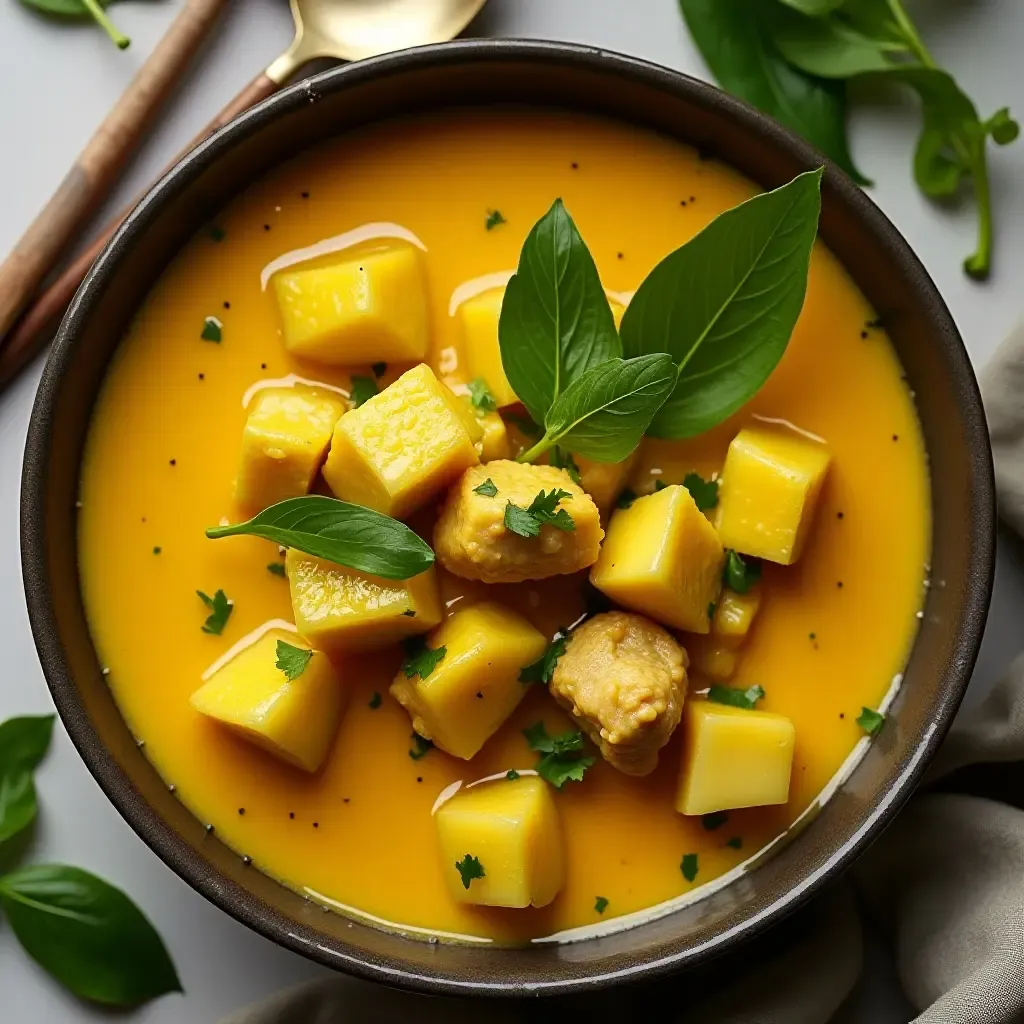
(624, 678)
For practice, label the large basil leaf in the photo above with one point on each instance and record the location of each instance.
(603, 414)
(348, 534)
(555, 319)
(735, 43)
(87, 934)
(828, 47)
(725, 304)
(23, 744)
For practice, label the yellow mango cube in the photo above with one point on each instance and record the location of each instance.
(480, 354)
(734, 615)
(495, 440)
(296, 720)
(710, 659)
(663, 558)
(472, 690)
(501, 843)
(401, 447)
(284, 442)
(604, 481)
(733, 758)
(768, 492)
(369, 308)
(617, 310)
(471, 539)
(339, 609)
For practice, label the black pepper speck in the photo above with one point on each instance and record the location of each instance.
(266, 227)
(895, 437)
(202, 376)
(575, 166)
(227, 305)
(174, 462)
(241, 810)
(263, 366)
(840, 515)
(839, 584)
(618, 255)
(316, 824)
(344, 799)
(419, 778)
(291, 814)
(305, 195)
(864, 334)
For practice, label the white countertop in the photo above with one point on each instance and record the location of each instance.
(57, 82)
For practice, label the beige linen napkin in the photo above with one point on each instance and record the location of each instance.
(945, 881)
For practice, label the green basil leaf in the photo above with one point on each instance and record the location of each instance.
(555, 321)
(735, 43)
(340, 532)
(23, 744)
(725, 304)
(87, 934)
(815, 8)
(604, 414)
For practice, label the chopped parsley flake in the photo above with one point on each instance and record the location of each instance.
(480, 396)
(659, 485)
(736, 843)
(704, 492)
(375, 701)
(626, 498)
(379, 369)
(562, 759)
(469, 868)
(870, 720)
(420, 659)
(711, 610)
(740, 574)
(487, 489)
(600, 904)
(526, 522)
(716, 819)
(735, 697)
(363, 389)
(689, 866)
(420, 747)
(220, 611)
(494, 218)
(216, 233)
(212, 329)
(512, 775)
(292, 661)
(410, 613)
(564, 460)
(543, 668)
(276, 568)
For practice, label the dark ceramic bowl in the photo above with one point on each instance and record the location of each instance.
(550, 75)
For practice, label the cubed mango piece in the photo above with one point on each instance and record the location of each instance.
(284, 442)
(296, 719)
(617, 310)
(339, 609)
(710, 658)
(480, 353)
(475, 686)
(401, 447)
(471, 539)
(768, 492)
(605, 481)
(495, 440)
(733, 758)
(501, 843)
(371, 307)
(734, 616)
(663, 558)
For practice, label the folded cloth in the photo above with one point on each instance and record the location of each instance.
(945, 881)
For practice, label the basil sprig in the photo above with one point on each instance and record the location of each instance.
(88, 935)
(340, 532)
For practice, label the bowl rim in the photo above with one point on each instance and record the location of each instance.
(115, 782)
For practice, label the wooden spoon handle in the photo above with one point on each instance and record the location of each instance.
(89, 180)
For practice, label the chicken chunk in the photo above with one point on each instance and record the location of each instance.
(624, 678)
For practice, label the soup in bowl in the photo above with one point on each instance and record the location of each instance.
(507, 527)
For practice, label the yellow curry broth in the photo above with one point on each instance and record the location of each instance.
(162, 454)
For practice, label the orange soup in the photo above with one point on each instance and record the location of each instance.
(831, 635)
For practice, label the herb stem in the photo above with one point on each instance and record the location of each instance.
(537, 450)
(910, 34)
(121, 41)
(979, 264)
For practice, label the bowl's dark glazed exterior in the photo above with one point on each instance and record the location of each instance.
(483, 72)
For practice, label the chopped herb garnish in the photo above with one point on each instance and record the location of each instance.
(626, 498)
(689, 866)
(543, 668)
(469, 868)
(487, 489)
(736, 697)
(704, 492)
(494, 218)
(363, 389)
(563, 759)
(220, 610)
(480, 396)
(379, 369)
(512, 775)
(524, 423)
(277, 568)
(211, 329)
(870, 720)
(375, 701)
(409, 613)
(420, 659)
(420, 747)
(216, 233)
(659, 485)
(600, 904)
(564, 460)
(716, 819)
(740, 573)
(292, 661)
(711, 610)
(735, 843)
(526, 522)
(156, 551)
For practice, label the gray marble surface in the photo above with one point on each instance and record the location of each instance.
(56, 83)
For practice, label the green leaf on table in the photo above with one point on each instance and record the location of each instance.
(292, 661)
(24, 742)
(737, 47)
(90, 936)
(363, 389)
(541, 670)
(220, 608)
(725, 305)
(555, 321)
(735, 697)
(81, 9)
(340, 532)
(542, 511)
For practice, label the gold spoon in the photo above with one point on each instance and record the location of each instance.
(340, 29)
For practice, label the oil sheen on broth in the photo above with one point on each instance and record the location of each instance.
(833, 630)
